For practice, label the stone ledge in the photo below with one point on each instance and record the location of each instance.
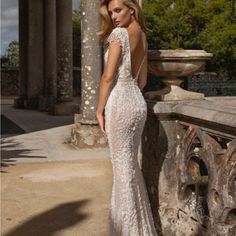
(218, 112)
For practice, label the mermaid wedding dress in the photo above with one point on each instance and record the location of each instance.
(125, 115)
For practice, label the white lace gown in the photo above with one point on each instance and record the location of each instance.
(125, 115)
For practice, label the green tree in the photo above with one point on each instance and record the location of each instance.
(12, 52)
(76, 38)
(194, 24)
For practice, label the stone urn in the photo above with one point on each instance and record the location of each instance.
(174, 65)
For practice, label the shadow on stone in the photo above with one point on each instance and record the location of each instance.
(54, 220)
(11, 151)
(8, 127)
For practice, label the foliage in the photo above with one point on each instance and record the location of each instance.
(76, 38)
(13, 54)
(194, 24)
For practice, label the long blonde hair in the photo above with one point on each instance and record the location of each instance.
(106, 25)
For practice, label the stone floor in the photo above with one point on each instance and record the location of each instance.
(49, 187)
(62, 198)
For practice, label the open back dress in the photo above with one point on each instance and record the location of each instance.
(125, 116)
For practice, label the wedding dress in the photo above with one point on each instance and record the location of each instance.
(125, 115)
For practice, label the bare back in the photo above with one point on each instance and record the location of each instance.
(138, 45)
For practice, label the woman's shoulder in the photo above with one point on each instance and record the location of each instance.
(117, 34)
(119, 31)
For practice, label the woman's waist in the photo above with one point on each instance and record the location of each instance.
(128, 81)
(126, 96)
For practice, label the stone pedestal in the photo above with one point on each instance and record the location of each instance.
(173, 92)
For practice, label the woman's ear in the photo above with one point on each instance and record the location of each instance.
(131, 11)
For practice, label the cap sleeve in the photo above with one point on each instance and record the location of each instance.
(116, 36)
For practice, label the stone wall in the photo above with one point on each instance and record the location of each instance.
(189, 164)
(9, 81)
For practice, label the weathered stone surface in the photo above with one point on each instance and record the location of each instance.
(35, 67)
(48, 100)
(87, 133)
(86, 136)
(90, 60)
(189, 164)
(64, 49)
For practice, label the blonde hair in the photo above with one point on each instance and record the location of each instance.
(106, 25)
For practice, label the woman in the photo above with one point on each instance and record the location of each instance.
(121, 114)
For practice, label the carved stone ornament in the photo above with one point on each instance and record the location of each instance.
(207, 183)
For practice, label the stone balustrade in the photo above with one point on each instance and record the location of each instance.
(189, 164)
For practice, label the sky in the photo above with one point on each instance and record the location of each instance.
(9, 21)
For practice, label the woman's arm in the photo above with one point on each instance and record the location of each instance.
(106, 81)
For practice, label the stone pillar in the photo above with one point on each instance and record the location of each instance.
(64, 58)
(23, 32)
(35, 53)
(48, 98)
(91, 60)
(86, 133)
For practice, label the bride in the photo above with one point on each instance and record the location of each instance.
(121, 113)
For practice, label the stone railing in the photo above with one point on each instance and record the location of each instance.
(189, 164)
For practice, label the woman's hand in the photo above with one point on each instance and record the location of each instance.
(101, 122)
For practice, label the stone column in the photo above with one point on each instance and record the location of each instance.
(35, 53)
(23, 32)
(91, 60)
(64, 57)
(86, 133)
(48, 99)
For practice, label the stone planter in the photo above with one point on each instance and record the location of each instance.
(173, 65)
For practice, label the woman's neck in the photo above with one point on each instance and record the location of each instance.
(133, 25)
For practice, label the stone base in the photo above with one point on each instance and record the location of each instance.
(31, 103)
(47, 103)
(87, 136)
(19, 102)
(66, 108)
(173, 93)
(80, 120)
